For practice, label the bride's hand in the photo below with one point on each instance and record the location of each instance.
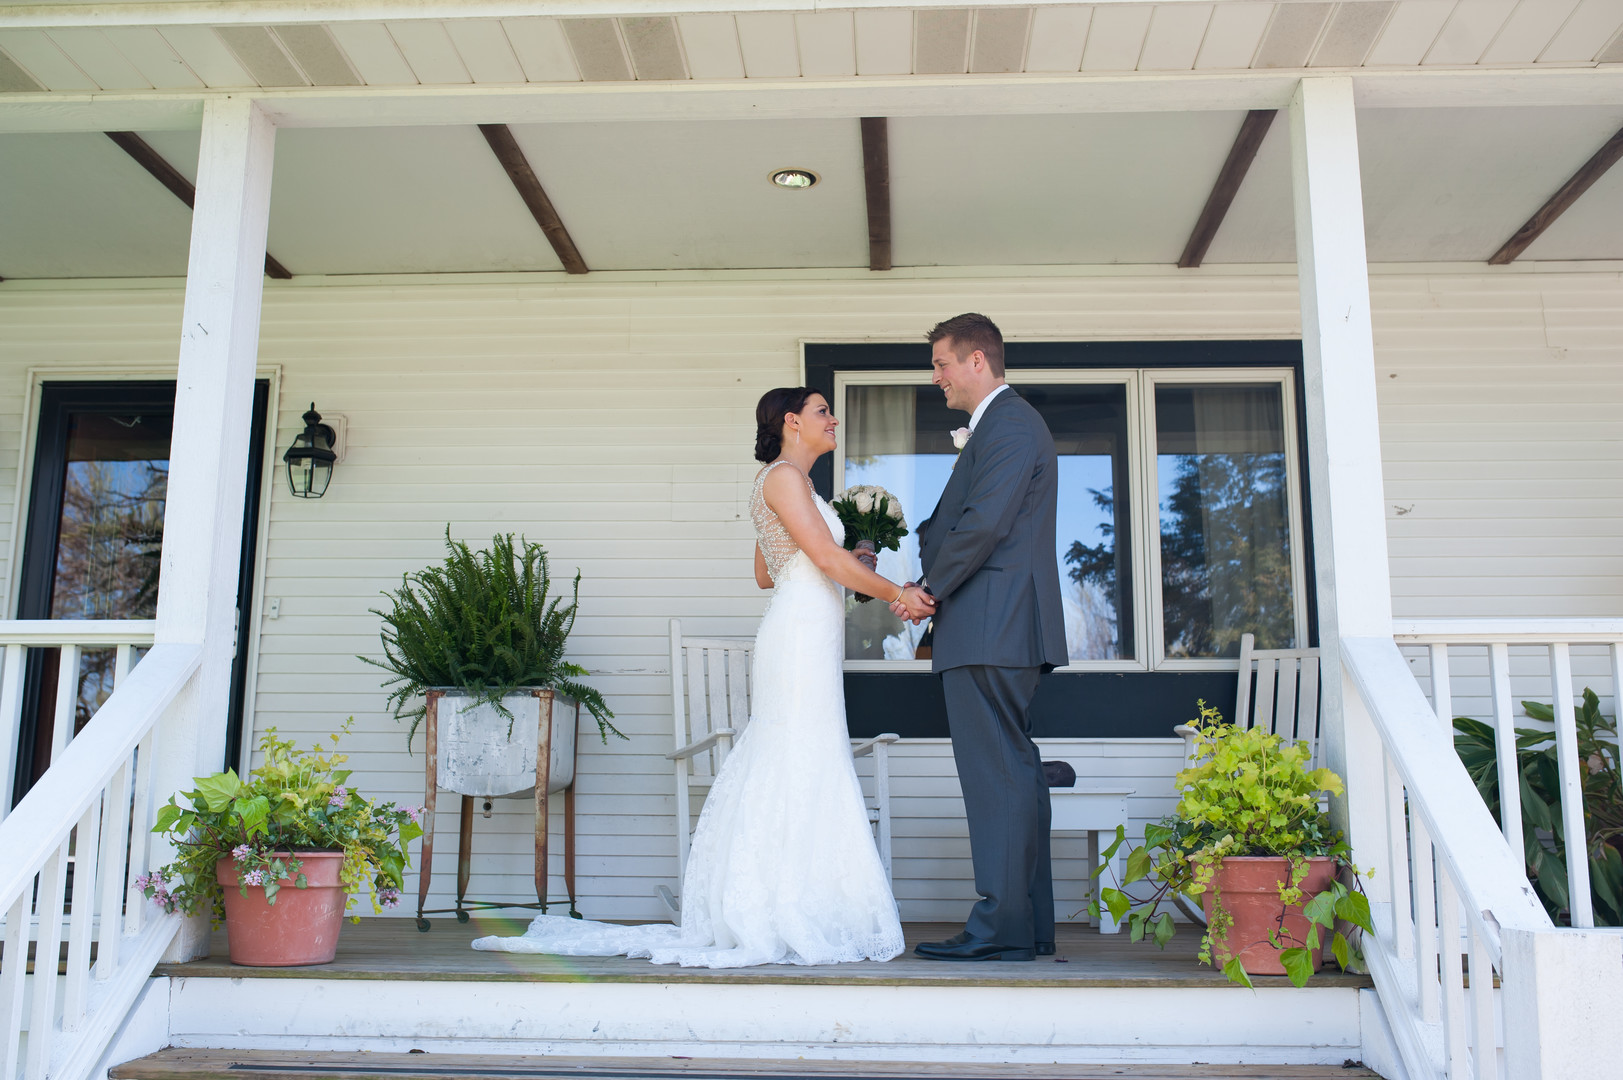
(915, 605)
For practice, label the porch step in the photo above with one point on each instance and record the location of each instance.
(1100, 1001)
(273, 1065)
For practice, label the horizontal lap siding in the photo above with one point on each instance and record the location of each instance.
(612, 420)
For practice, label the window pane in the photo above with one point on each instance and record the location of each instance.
(1225, 518)
(899, 437)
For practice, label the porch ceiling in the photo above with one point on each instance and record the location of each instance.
(1440, 185)
(282, 43)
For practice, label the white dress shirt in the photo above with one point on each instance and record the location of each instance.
(980, 410)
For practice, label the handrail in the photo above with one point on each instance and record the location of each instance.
(48, 812)
(91, 809)
(1490, 874)
(1438, 946)
(1507, 631)
(91, 633)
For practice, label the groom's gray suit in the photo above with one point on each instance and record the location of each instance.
(988, 554)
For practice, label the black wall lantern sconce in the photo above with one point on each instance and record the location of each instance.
(310, 458)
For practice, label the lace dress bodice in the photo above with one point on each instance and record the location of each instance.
(777, 546)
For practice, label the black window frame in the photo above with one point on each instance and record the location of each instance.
(1069, 704)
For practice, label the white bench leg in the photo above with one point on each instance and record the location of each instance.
(1107, 925)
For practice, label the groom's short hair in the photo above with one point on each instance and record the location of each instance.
(970, 331)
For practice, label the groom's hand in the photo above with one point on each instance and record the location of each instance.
(915, 605)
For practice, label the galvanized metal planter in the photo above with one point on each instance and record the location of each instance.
(477, 752)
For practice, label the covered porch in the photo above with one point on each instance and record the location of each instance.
(543, 292)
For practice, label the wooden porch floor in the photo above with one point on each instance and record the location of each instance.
(393, 949)
(274, 1065)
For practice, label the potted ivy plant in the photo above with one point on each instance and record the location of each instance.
(481, 638)
(1250, 844)
(281, 855)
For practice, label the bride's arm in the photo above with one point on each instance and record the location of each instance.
(762, 578)
(786, 495)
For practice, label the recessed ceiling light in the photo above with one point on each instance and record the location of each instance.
(795, 179)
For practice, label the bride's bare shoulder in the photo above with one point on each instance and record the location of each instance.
(784, 484)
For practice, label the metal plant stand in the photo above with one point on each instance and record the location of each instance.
(550, 777)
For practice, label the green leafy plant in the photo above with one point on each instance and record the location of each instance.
(484, 623)
(296, 801)
(1248, 793)
(1544, 835)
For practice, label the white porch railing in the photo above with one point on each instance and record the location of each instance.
(1445, 974)
(89, 811)
(1554, 638)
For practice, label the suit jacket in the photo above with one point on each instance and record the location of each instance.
(988, 550)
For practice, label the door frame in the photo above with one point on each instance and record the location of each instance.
(256, 511)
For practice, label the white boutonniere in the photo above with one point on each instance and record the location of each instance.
(960, 437)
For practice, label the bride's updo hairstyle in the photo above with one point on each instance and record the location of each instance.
(769, 413)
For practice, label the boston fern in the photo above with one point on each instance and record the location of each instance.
(482, 622)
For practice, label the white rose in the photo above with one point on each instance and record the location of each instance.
(864, 501)
(896, 513)
(960, 438)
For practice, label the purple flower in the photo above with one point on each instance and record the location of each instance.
(240, 852)
(340, 796)
(254, 877)
(389, 897)
(415, 813)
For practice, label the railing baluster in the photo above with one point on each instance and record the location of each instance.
(1456, 1049)
(1504, 743)
(47, 947)
(13, 966)
(1442, 688)
(115, 849)
(140, 838)
(1425, 918)
(1484, 1025)
(11, 713)
(121, 663)
(67, 700)
(1572, 786)
(80, 920)
(1397, 838)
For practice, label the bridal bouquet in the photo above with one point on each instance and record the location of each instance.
(873, 521)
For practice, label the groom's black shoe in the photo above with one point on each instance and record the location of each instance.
(964, 946)
(1045, 948)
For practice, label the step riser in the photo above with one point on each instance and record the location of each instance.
(828, 1022)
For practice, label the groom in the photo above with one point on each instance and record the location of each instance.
(988, 554)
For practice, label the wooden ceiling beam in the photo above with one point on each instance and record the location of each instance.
(1561, 201)
(171, 178)
(507, 151)
(876, 174)
(1229, 178)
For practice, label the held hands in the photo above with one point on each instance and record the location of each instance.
(914, 605)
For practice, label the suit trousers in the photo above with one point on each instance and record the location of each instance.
(1006, 801)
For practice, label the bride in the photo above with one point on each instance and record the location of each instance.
(783, 868)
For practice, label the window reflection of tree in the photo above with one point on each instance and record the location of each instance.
(108, 556)
(1095, 571)
(1225, 554)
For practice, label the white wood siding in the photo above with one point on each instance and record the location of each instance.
(612, 419)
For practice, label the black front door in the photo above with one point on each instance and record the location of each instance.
(94, 537)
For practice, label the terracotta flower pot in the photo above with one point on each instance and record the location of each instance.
(1249, 888)
(300, 928)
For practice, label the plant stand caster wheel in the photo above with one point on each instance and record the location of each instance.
(461, 916)
(573, 914)
(423, 925)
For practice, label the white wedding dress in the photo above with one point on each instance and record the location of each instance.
(783, 868)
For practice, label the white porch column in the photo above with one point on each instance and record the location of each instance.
(1344, 447)
(208, 457)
